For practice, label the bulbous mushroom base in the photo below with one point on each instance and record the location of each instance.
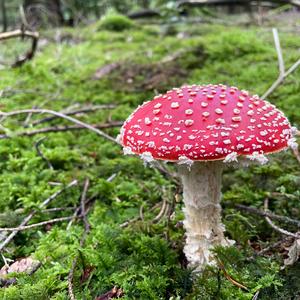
(201, 195)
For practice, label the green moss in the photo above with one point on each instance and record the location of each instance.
(145, 259)
(116, 22)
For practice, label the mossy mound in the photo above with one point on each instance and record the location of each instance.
(116, 22)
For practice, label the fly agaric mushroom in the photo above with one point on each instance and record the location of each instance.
(201, 128)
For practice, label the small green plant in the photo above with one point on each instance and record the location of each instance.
(116, 22)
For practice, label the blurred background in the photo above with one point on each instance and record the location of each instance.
(48, 13)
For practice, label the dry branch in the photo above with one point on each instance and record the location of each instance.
(60, 115)
(40, 153)
(296, 153)
(82, 205)
(282, 73)
(84, 212)
(253, 210)
(56, 209)
(48, 222)
(135, 219)
(29, 217)
(83, 237)
(22, 33)
(228, 277)
(86, 109)
(60, 129)
(161, 212)
(275, 227)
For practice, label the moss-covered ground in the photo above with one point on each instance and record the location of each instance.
(145, 258)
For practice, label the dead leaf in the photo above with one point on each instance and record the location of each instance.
(294, 253)
(86, 273)
(115, 292)
(26, 265)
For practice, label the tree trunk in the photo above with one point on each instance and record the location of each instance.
(4, 16)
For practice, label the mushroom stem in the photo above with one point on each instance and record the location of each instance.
(201, 196)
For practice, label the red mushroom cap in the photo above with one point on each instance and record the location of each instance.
(209, 122)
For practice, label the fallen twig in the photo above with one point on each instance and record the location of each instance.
(29, 217)
(275, 245)
(86, 109)
(84, 212)
(60, 115)
(21, 228)
(142, 212)
(28, 118)
(60, 129)
(282, 73)
(296, 153)
(233, 281)
(268, 248)
(82, 205)
(4, 260)
(22, 33)
(82, 240)
(128, 222)
(56, 209)
(75, 214)
(264, 213)
(275, 227)
(40, 153)
(256, 295)
(161, 212)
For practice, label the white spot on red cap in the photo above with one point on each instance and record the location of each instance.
(147, 121)
(188, 122)
(189, 112)
(223, 133)
(220, 120)
(174, 105)
(236, 119)
(263, 132)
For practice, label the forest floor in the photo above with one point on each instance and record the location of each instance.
(122, 228)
